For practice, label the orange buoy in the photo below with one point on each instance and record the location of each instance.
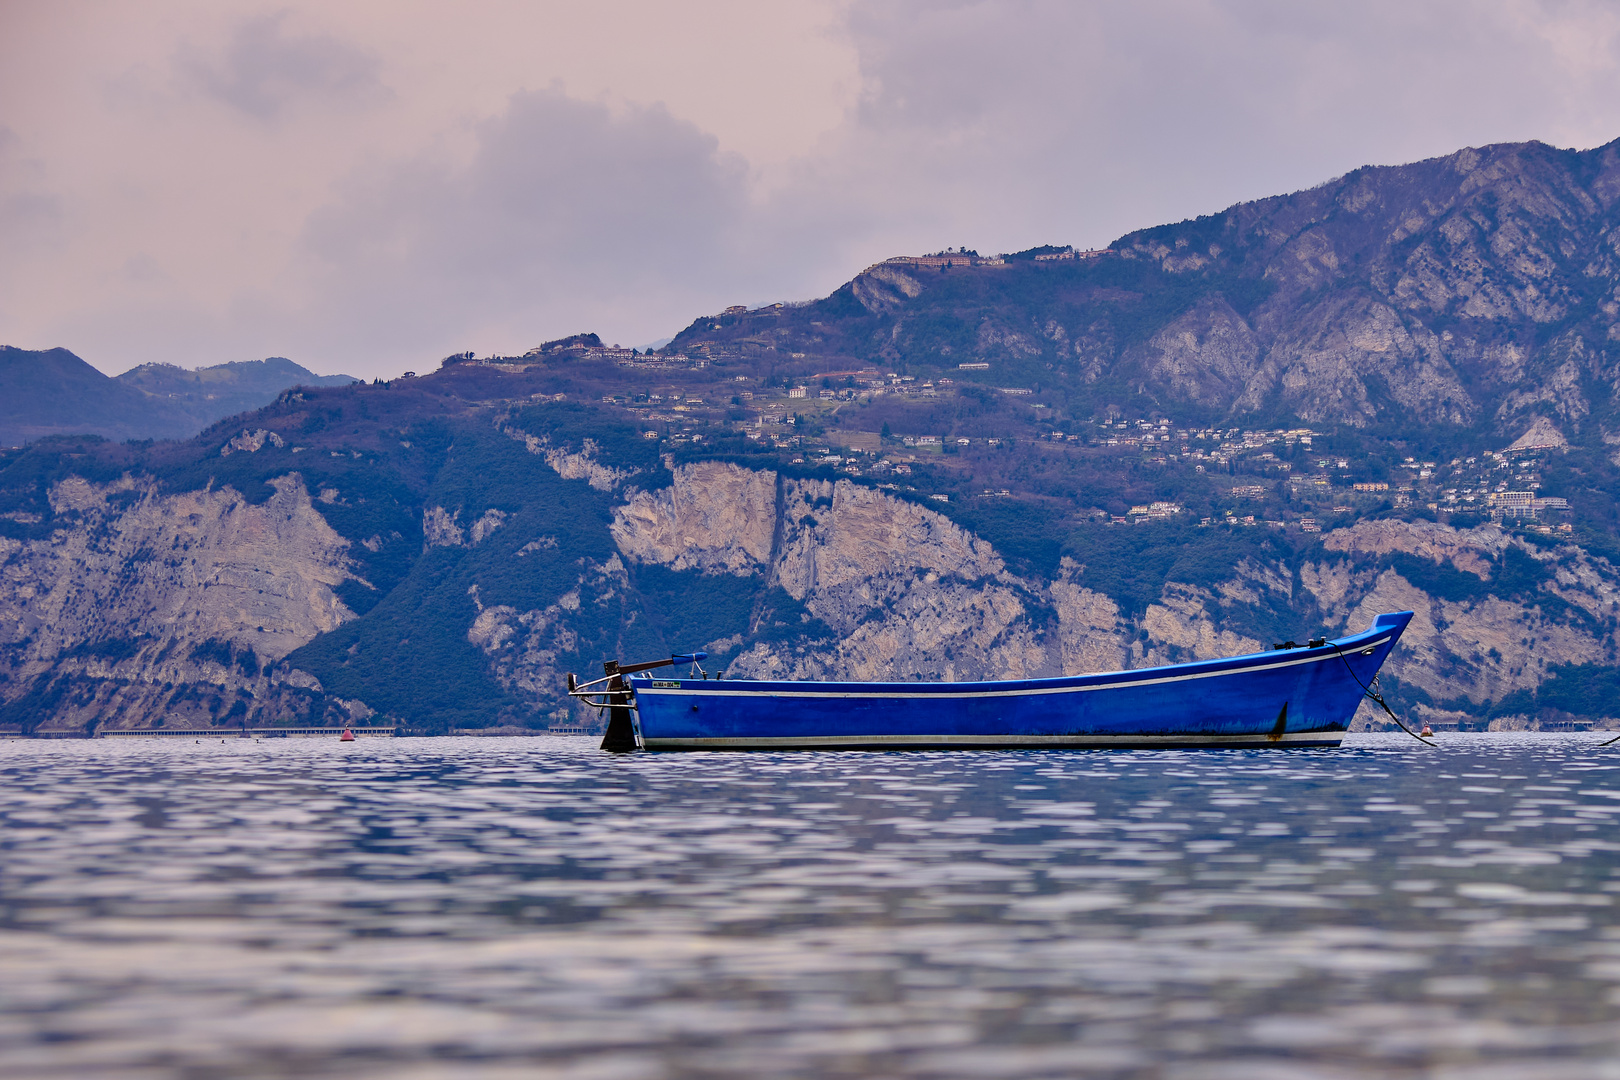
(347, 736)
(1427, 731)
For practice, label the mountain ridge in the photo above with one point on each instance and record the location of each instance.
(54, 392)
(1429, 290)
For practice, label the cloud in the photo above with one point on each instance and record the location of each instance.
(31, 215)
(563, 207)
(264, 70)
(1019, 122)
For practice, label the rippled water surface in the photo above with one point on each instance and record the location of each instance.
(474, 908)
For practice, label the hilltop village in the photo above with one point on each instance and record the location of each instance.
(1060, 379)
(929, 436)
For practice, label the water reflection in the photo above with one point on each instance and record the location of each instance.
(491, 907)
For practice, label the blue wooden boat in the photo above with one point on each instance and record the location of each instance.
(1290, 696)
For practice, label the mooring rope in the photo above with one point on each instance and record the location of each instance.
(1374, 695)
(1380, 699)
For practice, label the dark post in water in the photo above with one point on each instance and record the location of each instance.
(621, 735)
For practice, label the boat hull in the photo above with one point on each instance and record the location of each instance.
(1294, 698)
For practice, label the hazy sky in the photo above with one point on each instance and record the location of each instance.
(366, 186)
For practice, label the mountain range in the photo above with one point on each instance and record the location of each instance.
(53, 392)
(1471, 291)
(1394, 391)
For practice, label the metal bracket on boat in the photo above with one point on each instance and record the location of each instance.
(612, 693)
(600, 693)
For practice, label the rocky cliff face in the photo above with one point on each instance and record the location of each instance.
(1485, 647)
(142, 606)
(883, 588)
(880, 588)
(1428, 285)
(714, 518)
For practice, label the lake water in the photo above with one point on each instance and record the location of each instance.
(522, 907)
